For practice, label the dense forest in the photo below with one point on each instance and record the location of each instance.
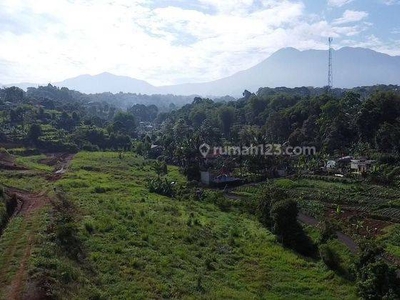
(337, 123)
(362, 121)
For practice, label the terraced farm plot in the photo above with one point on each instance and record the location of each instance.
(359, 209)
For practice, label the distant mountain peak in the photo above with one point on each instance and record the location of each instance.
(288, 67)
(107, 82)
(288, 49)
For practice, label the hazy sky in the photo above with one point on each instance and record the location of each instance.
(177, 41)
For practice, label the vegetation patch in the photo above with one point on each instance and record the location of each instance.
(139, 244)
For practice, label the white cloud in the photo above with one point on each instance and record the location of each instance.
(396, 30)
(338, 3)
(391, 2)
(44, 41)
(375, 43)
(231, 6)
(351, 16)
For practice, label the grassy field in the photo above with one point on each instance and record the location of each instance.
(33, 163)
(32, 179)
(137, 245)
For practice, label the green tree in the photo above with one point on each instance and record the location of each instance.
(34, 132)
(160, 167)
(14, 94)
(271, 194)
(375, 279)
(226, 115)
(284, 216)
(124, 123)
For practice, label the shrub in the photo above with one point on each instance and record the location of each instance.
(284, 215)
(64, 227)
(89, 227)
(285, 183)
(162, 187)
(328, 232)
(90, 147)
(223, 203)
(329, 257)
(160, 167)
(270, 195)
(218, 198)
(375, 279)
(378, 281)
(286, 227)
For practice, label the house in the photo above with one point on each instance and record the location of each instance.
(362, 165)
(330, 165)
(345, 160)
(206, 177)
(213, 180)
(146, 127)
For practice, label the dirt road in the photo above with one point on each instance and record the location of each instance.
(29, 204)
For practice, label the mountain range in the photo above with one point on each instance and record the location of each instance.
(287, 67)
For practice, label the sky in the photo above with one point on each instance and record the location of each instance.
(178, 41)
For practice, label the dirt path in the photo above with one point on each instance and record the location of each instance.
(307, 219)
(7, 162)
(17, 285)
(27, 202)
(345, 239)
(61, 164)
(28, 206)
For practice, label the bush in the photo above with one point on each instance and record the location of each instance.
(64, 228)
(162, 187)
(284, 215)
(191, 171)
(160, 167)
(223, 203)
(386, 175)
(375, 279)
(58, 146)
(218, 198)
(378, 281)
(285, 183)
(270, 195)
(90, 147)
(285, 225)
(329, 257)
(328, 232)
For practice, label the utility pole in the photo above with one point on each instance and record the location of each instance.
(330, 67)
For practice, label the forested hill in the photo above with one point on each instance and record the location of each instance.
(363, 121)
(334, 121)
